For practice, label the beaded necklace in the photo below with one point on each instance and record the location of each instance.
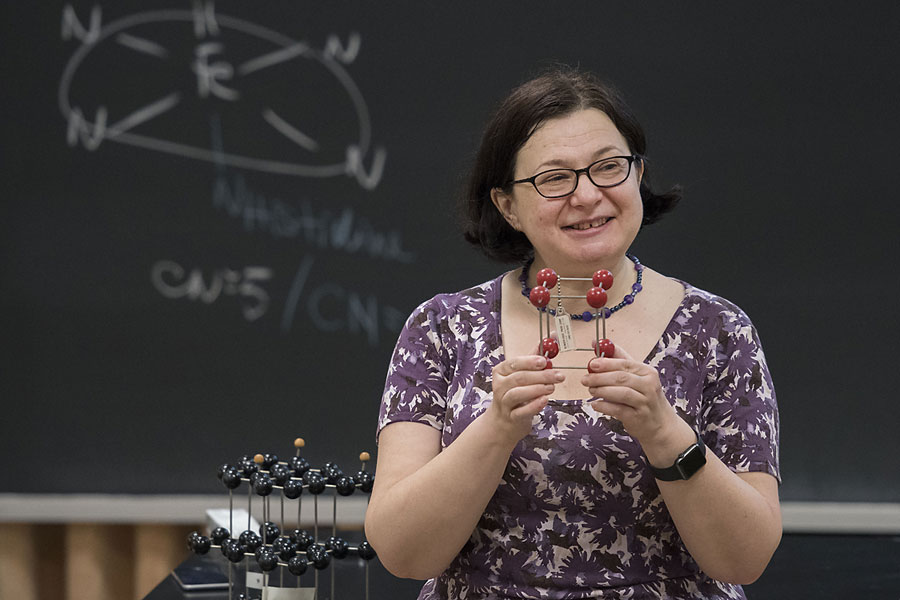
(588, 315)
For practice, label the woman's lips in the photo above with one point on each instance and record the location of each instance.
(589, 225)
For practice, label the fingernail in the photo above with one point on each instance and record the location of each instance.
(559, 376)
(541, 361)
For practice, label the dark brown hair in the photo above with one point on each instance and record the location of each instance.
(555, 93)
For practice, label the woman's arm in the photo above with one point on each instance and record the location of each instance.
(426, 502)
(730, 523)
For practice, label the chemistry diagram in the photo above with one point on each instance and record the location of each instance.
(163, 80)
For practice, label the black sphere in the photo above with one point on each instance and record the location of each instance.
(301, 538)
(297, 565)
(345, 485)
(269, 531)
(280, 473)
(250, 541)
(219, 535)
(192, 536)
(263, 484)
(299, 465)
(231, 477)
(338, 547)
(332, 472)
(284, 547)
(365, 550)
(292, 489)
(200, 544)
(315, 482)
(221, 470)
(231, 549)
(248, 467)
(318, 556)
(365, 480)
(266, 559)
(269, 460)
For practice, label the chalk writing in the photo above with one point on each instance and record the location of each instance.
(154, 33)
(204, 16)
(332, 308)
(346, 54)
(319, 227)
(72, 27)
(172, 281)
(211, 75)
(327, 306)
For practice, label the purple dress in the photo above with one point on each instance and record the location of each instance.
(578, 513)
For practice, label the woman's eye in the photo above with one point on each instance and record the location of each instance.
(554, 177)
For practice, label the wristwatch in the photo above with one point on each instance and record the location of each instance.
(687, 463)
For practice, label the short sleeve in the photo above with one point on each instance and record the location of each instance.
(415, 389)
(740, 416)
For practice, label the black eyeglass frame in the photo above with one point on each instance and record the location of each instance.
(586, 170)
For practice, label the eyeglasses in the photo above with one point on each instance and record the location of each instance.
(605, 173)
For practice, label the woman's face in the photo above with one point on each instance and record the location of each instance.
(591, 227)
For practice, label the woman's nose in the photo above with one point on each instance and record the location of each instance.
(585, 191)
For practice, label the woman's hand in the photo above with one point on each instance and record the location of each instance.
(521, 387)
(630, 391)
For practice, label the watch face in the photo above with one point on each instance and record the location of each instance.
(691, 462)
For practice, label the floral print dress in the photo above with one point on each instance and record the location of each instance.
(578, 513)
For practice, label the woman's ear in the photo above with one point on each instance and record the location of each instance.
(504, 204)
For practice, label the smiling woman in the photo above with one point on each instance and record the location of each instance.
(524, 111)
(652, 473)
(589, 226)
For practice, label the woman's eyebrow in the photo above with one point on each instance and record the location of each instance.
(560, 163)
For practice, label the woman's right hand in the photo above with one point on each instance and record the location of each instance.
(521, 388)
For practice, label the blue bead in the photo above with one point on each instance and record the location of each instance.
(628, 299)
(587, 315)
(636, 288)
(607, 313)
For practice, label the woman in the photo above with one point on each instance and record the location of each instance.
(500, 478)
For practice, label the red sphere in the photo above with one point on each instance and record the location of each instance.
(549, 365)
(547, 278)
(549, 347)
(539, 295)
(603, 278)
(596, 297)
(604, 347)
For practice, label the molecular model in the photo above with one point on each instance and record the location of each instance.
(273, 547)
(596, 297)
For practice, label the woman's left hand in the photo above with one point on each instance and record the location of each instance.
(630, 391)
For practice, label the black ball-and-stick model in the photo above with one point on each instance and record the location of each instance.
(273, 547)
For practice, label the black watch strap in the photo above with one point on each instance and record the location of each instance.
(687, 463)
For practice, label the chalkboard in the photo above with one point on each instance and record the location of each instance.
(216, 216)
